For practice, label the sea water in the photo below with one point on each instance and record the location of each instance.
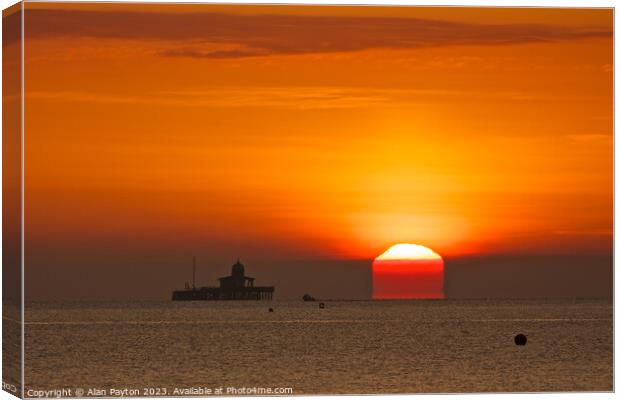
(409, 346)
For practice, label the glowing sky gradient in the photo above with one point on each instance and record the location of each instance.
(270, 132)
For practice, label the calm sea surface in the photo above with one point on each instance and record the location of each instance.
(348, 347)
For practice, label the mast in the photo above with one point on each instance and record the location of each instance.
(194, 273)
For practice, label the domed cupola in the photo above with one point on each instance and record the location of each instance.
(238, 270)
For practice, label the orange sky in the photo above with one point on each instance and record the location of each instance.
(319, 132)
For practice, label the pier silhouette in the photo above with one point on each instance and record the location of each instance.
(236, 286)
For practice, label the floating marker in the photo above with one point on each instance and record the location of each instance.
(520, 339)
(271, 310)
(321, 305)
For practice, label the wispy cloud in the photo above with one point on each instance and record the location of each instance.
(263, 35)
(298, 97)
(285, 97)
(584, 232)
(590, 137)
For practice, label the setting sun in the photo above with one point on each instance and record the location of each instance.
(406, 251)
(408, 271)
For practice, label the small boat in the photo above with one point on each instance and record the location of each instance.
(307, 297)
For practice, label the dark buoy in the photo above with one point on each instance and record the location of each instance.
(520, 339)
(321, 305)
(271, 310)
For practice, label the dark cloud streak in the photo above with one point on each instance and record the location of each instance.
(261, 35)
